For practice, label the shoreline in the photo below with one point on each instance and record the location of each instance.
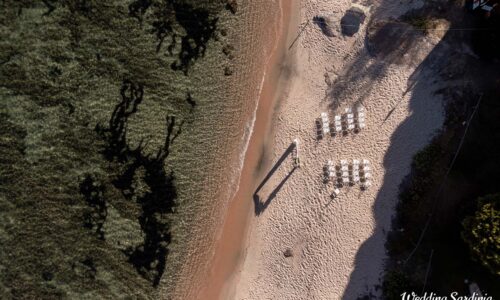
(230, 247)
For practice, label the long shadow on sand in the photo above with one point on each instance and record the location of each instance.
(404, 141)
(261, 206)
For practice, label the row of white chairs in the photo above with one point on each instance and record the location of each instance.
(325, 121)
(350, 173)
(349, 121)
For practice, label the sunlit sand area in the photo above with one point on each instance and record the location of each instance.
(287, 149)
(322, 237)
(362, 98)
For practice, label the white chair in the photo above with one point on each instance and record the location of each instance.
(355, 162)
(366, 165)
(348, 110)
(336, 192)
(326, 123)
(360, 109)
(360, 119)
(345, 180)
(324, 117)
(350, 124)
(355, 179)
(367, 175)
(366, 184)
(329, 164)
(338, 123)
(330, 169)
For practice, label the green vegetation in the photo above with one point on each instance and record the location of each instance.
(474, 172)
(417, 191)
(425, 159)
(396, 283)
(437, 202)
(482, 232)
(97, 100)
(419, 20)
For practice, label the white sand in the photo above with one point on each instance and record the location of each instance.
(338, 245)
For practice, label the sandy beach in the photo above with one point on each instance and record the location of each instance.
(301, 243)
(256, 31)
(228, 254)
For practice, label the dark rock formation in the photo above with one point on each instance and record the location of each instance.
(228, 71)
(352, 20)
(232, 6)
(327, 24)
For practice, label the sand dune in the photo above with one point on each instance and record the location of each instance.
(337, 246)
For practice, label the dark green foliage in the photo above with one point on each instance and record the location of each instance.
(486, 41)
(474, 172)
(412, 197)
(419, 19)
(396, 283)
(482, 232)
(426, 158)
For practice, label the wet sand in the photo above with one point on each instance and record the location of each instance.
(230, 247)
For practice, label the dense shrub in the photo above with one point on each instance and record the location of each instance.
(426, 158)
(482, 232)
(395, 283)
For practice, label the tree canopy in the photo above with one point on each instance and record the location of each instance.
(482, 232)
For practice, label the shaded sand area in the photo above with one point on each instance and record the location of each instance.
(302, 244)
